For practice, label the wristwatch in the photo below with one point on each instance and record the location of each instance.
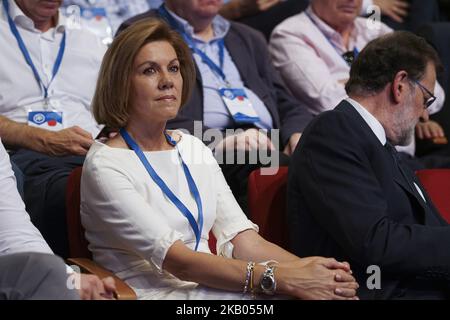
(268, 284)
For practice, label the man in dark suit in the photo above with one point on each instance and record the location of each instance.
(231, 55)
(350, 197)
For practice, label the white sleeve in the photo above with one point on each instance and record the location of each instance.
(304, 72)
(230, 219)
(111, 203)
(17, 233)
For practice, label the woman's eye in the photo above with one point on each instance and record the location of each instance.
(149, 71)
(174, 69)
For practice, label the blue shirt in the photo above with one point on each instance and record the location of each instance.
(215, 112)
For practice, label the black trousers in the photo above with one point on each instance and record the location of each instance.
(34, 276)
(44, 188)
(236, 172)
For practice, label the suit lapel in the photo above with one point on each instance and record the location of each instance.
(399, 176)
(239, 54)
(400, 179)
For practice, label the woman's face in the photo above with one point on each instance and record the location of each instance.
(156, 83)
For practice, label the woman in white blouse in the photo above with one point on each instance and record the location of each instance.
(149, 197)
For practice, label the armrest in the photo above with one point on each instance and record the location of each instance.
(123, 291)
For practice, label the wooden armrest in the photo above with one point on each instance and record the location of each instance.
(123, 291)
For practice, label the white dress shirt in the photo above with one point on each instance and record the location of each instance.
(17, 233)
(307, 52)
(72, 89)
(130, 224)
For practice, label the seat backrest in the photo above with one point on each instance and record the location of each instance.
(437, 184)
(78, 245)
(267, 205)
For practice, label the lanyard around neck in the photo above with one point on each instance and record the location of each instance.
(197, 227)
(355, 50)
(217, 69)
(26, 53)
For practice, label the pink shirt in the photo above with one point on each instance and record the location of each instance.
(308, 56)
(307, 52)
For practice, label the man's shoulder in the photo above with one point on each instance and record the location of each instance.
(240, 29)
(85, 41)
(340, 120)
(296, 24)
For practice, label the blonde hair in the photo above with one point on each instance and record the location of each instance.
(110, 104)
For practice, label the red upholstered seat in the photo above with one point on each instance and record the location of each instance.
(437, 184)
(267, 205)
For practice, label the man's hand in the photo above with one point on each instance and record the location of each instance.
(70, 141)
(292, 144)
(92, 288)
(397, 10)
(249, 140)
(429, 130)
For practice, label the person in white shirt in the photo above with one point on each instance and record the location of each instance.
(46, 86)
(313, 52)
(150, 197)
(28, 267)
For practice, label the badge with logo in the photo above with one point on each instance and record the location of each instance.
(239, 106)
(49, 120)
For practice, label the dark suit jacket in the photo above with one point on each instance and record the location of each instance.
(348, 200)
(249, 52)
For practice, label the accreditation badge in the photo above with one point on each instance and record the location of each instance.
(239, 106)
(49, 120)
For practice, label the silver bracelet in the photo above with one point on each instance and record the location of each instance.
(249, 277)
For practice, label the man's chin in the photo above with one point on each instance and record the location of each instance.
(406, 139)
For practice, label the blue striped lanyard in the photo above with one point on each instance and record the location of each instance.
(197, 227)
(217, 69)
(26, 53)
(355, 50)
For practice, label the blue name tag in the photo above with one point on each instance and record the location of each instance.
(91, 13)
(239, 106)
(50, 120)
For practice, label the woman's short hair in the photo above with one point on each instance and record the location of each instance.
(382, 58)
(111, 100)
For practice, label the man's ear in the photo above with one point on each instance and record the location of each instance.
(398, 86)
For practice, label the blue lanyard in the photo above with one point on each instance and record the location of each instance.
(196, 227)
(355, 50)
(217, 69)
(27, 56)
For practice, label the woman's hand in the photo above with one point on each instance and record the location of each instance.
(316, 278)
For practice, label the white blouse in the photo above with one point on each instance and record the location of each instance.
(131, 224)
